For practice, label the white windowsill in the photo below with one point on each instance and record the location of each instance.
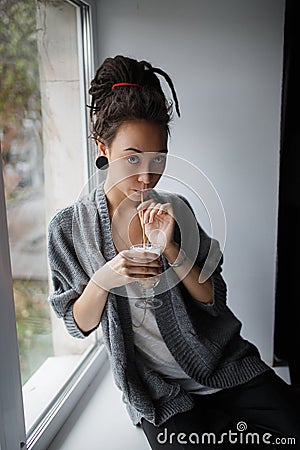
(42, 387)
(75, 382)
(100, 420)
(284, 373)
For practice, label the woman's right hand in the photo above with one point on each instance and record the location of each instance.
(126, 267)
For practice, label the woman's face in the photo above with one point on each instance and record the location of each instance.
(137, 158)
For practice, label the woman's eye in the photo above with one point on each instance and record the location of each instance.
(160, 159)
(133, 159)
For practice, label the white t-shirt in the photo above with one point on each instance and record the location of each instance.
(152, 349)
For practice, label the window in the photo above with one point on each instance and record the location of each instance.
(47, 63)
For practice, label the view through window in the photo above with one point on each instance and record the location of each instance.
(42, 129)
(22, 154)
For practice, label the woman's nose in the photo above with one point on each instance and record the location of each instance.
(145, 177)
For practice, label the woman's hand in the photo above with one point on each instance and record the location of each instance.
(126, 267)
(159, 222)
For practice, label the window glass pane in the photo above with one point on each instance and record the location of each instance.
(22, 153)
(43, 137)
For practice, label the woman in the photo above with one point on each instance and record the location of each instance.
(183, 367)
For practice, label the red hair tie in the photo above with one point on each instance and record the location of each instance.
(125, 84)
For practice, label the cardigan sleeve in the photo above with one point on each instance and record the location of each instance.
(68, 277)
(210, 256)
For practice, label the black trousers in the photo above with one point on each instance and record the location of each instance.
(262, 413)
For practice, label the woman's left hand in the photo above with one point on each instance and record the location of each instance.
(159, 222)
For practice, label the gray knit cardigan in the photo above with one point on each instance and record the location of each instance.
(203, 338)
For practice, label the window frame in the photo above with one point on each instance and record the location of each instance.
(12, 423)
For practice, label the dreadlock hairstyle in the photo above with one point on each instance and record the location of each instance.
(114, 102)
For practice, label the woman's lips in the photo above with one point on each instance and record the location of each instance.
(138, 193)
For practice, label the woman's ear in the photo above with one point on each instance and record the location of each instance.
(102, 160)
(102, 149)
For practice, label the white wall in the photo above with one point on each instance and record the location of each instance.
(225, 58)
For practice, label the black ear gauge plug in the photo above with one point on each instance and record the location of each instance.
(102, 162)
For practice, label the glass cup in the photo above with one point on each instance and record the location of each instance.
(147, 285)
